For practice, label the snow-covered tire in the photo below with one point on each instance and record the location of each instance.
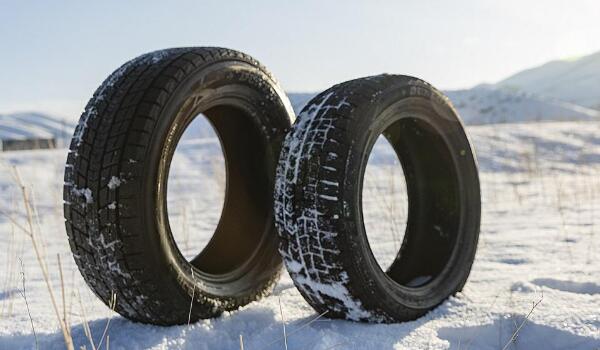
(319, 190)
(116, 177)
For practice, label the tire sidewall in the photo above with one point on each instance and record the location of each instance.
(417, 99)
(216, 80)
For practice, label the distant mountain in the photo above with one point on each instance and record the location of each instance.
(576, 81)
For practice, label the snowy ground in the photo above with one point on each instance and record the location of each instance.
(540, 241)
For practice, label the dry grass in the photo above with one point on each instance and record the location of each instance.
(86, 326)
(23, 293)
(15, 249)
(31, 233)
(515, 334)
(285, 341)
(30, 229)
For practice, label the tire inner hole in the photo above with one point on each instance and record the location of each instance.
(218, 190)
(410, 203)
(384, 203)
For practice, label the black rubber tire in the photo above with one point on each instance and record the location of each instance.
(116, 177)
(318, 200)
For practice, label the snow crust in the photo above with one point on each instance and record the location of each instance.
(114, 182)
(85, 193)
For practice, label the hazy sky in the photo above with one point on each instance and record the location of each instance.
(55, 53)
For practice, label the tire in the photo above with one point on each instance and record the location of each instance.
(318, 200)
(116, 177)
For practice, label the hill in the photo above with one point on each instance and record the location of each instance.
(576, 80)
(489, 105)
(34, 125)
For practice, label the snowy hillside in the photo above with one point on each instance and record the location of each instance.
(539, 242)
(32, 124)
(576, 80)
(488, 105)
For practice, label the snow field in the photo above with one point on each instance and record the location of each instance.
(539, 242)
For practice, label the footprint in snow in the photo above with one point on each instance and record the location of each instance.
(8, 293)
(513, 261)
(568, 286)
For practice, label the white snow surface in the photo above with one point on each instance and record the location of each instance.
(540, 240)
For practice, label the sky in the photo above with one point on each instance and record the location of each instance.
(54, 54)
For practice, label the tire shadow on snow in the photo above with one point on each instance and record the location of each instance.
(261, 329)
(7, 294)
(496, 335)
(218, 333)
